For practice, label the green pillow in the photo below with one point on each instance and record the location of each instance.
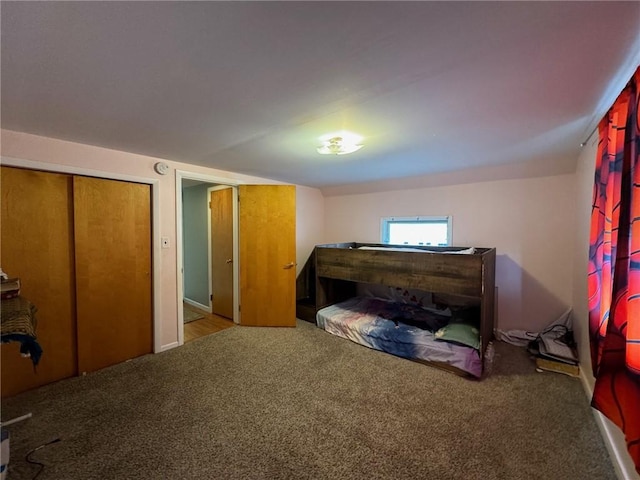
(460, 333)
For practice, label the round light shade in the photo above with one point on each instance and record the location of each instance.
(338, 146)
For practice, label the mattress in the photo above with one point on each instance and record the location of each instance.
(373, 322)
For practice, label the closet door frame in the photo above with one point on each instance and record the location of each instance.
(155, 227)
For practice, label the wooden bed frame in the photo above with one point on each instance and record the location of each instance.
(333, 271)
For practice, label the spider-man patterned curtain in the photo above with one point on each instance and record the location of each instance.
(614, 268)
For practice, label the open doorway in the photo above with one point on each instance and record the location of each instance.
(207, 258)
(264, 246)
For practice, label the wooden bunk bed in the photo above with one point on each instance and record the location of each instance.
(334, 271)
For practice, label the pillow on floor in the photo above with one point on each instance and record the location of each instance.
(460, 333)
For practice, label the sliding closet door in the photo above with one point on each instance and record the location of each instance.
(267, 249)
(113, 271)
(37, 246)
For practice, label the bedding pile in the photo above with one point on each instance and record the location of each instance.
(406, 330)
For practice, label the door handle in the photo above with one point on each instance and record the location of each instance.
(229, 260)
(289, 265)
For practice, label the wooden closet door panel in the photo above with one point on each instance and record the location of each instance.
(267, 250)
(222, 252)
(37, 246)
(113, 271)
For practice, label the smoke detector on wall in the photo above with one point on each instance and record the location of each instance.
(161, 168)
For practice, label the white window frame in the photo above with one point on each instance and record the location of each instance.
(386, 221)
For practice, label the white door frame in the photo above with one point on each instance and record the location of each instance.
(155, 219)
(219, 181)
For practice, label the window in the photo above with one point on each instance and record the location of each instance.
(431, 231)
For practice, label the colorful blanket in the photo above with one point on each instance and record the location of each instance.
(403, 330)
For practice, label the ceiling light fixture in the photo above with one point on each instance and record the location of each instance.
(338, 146)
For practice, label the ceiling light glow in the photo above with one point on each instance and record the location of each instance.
(340, 144)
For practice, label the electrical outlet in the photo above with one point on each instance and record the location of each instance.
(165, 242)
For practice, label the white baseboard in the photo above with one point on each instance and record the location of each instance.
(622, 463)
(168, 346)
(206, 308)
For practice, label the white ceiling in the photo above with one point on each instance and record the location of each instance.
(251, 86)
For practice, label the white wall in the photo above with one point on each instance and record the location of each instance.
(309, 222)
(585, 172)
(529, 221)
(62, 154)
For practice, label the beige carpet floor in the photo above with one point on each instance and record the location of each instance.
(298, 403)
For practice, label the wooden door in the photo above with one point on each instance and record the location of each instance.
(222, 251)
(37, 246)
(267, 249)
(113, 271)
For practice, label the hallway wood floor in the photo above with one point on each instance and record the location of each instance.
(211, 323)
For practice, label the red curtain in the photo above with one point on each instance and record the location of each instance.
(614, 268)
